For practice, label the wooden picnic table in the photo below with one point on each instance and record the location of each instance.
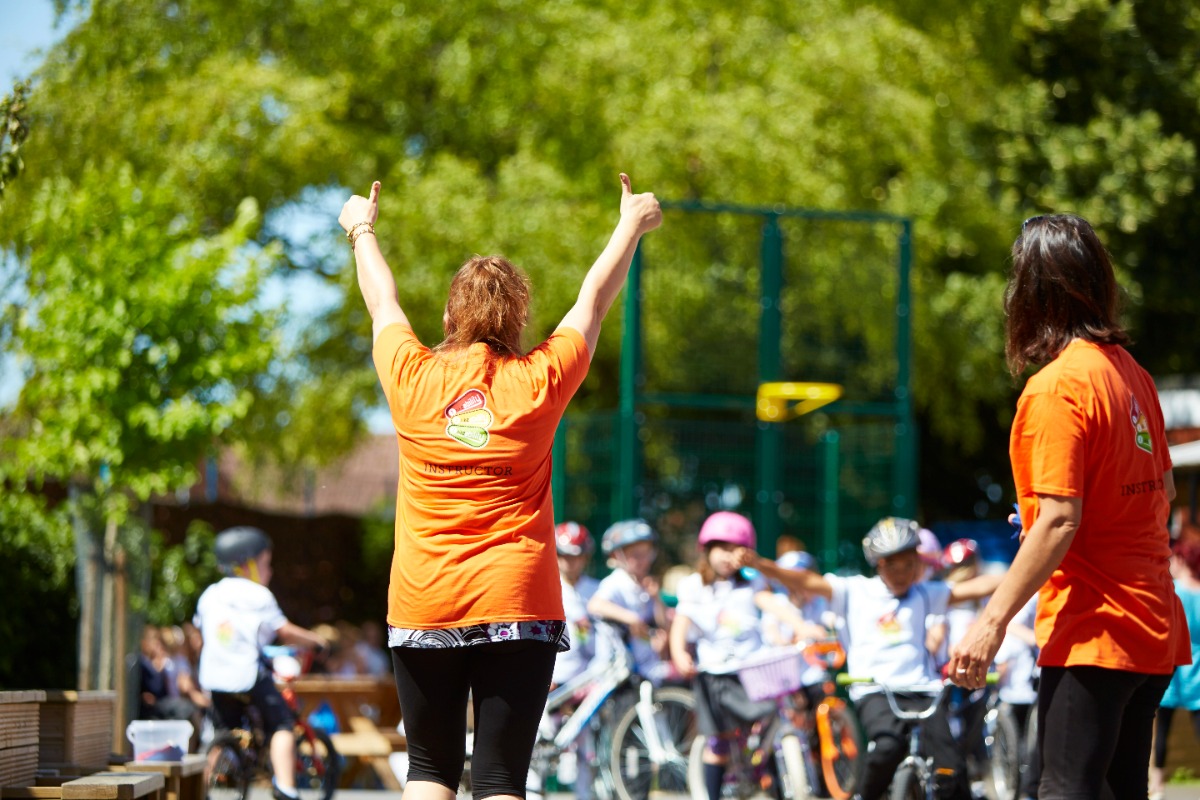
(367, 711)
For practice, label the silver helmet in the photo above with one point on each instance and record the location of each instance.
(889, 536)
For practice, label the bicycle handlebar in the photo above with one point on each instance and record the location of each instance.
(933, 689)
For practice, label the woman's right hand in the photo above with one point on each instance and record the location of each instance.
(360, 209)
(640, 209)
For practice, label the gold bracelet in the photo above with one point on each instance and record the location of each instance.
(354, 227)
(359, 233)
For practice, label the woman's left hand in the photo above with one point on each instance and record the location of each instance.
(360, 209)
(971, 658)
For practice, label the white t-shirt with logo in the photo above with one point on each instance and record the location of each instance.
(728, 621)
(579, 628)
(620, 588)
(884, 635)
(237, 618)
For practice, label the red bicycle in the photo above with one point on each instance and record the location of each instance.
(237, 758)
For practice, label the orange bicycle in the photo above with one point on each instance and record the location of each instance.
(837, 733)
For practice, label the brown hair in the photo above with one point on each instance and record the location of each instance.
(708, 575)
(1062, 288)
(489, 302)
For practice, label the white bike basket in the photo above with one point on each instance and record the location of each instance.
(773, 674)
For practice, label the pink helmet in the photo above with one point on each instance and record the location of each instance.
(572, 539)
(728, 527)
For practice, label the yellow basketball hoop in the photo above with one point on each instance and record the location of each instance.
(779, 402)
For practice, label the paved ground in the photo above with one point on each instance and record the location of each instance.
(1190, 791)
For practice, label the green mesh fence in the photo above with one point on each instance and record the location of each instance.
(721, 300)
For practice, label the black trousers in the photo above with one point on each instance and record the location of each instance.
(888, 745)
(1094, 729)
(1162, 730)
(508, 683)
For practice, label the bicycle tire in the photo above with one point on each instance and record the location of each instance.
(629, 759)
(839, 744)
(318, 765)
(1004, 754)
(793, 771)
(226, 774)
(906, 785)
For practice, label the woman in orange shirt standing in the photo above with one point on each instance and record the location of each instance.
(1094, 485)
(474, 602)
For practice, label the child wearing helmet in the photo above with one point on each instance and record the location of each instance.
(628, 598)
(238, 616)
(884, 621)
(575, 546)
(721, 609)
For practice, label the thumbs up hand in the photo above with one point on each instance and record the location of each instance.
(640, 209)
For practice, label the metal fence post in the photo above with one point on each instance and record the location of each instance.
(625, 502)
(904, 464)
(830, 494)
(770, 365)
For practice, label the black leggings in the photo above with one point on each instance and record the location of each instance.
(508, 683)
(1162, 730)
(1094, 727)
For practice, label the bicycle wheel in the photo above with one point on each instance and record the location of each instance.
(226, 776)
(1004, 753)
(905, 785)
(839, 740)
(792, 770)
(633, 771)
(739, 784)
(318, 765)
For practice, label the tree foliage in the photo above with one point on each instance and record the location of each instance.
(499, 126)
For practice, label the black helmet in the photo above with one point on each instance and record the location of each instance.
(238, 545)
(891, 535)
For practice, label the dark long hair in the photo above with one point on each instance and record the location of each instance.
(1062, 288)
(489, 302)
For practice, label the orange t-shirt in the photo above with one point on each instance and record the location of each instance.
(474, 514)
(1089, 425)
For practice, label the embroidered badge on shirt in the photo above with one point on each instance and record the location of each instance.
(469, 419)
(1141, 427)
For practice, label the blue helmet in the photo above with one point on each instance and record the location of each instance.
(627, 532)
(797, 559)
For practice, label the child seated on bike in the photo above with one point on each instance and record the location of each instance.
(884, 631)
(237, 617)
(628, 597)
(722, 607)
(575, 546)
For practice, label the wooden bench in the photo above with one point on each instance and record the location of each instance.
(184, 779)
(115, 786)
(365, 744)
(100, 786)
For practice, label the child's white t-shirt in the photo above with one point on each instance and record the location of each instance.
(620, 588)
(237, 618)
(728, 621)
(884, 635)
(1017, 684)
(583, 640)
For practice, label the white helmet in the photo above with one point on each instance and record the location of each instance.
(889, 536)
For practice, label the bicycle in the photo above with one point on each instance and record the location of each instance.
(236, 758)
(913, 779)
(1002, 747)
(782, 738)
